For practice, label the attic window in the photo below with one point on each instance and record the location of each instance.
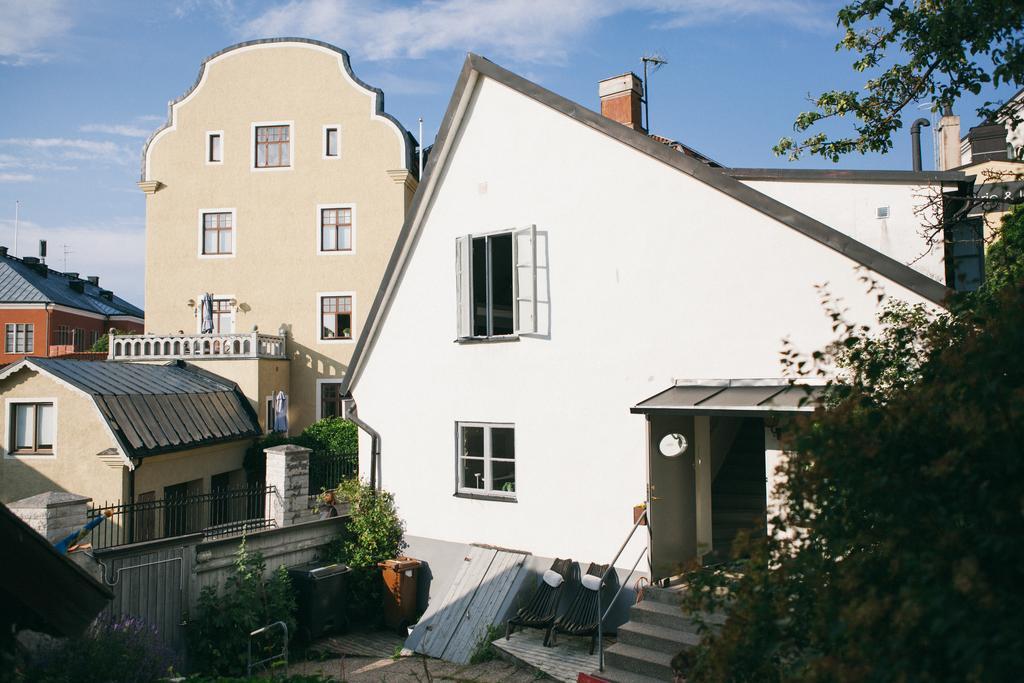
(214, 153)
(882, 212)
(496, 284)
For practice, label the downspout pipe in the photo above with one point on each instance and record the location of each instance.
(350, 412)
(915, 141)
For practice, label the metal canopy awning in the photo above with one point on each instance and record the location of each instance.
(737, 397)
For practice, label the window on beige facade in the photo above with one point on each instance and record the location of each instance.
(218, 234)
(335, 317)
(330, 399)
(273, 146)
(31, 428)
(331, 142)
(214, 153)
(336, 229)
(20, 338)
(223, 317)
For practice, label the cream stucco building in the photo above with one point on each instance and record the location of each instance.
(278, 186)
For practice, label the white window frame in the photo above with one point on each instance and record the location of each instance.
(234, 233)
(319, 242)
(323, 141)
(234, 312)
(210, 134)
(268, 414)
(9, 430)
(487, 491)
(252, 146)
(319, 400)
(27, 350)
(319, 318)
(524, 283)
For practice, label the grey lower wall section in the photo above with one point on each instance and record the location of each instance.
(160, 581)
(442, 560)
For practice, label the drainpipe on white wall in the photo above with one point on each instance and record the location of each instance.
(349, 412)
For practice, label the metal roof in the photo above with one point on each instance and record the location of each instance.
(22, 282)
(733, 397)
(155, 409)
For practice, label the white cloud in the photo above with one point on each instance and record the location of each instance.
(16, 177)
(124, 129)
(29, 29)
(525, 31)
(114, 250)
(55, 153)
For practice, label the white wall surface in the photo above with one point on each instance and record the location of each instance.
(851, 209)
(653, 276)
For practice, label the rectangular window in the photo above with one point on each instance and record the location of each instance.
(213, 148)
(223, 317)
(79, 339)
(63, 336)
(496, 279)
(273, 144)
(487, 459)
(336, 229)
(19, 338)
(32, 428)
(330, 399)
(335, 317)
(217, 233)
(965, 255)
(331, 142)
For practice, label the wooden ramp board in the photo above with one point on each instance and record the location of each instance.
(361, 644)
(562, 662)
(472, 603)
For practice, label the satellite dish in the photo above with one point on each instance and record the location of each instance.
(672, 445)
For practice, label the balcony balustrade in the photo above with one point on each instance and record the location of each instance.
(135, 347)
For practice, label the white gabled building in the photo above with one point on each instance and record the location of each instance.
(558, 269)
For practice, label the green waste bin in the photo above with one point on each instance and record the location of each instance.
(320, 598)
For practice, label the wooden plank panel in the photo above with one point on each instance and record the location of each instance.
(483, 609)
(448, 617)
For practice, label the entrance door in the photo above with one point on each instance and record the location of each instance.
(672, 498)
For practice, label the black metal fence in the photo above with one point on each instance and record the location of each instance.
(222, 513)
(327, 470)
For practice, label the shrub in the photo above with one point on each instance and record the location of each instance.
(113, 650)
(218, 637)
(330, 435)
(374, 533)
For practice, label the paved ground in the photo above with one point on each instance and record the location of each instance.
(415, 668)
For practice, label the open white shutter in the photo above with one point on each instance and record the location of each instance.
(464, 285)
(524, 279)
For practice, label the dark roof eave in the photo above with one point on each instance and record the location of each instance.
(850, 176)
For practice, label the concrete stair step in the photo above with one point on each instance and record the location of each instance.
(615, 675)
(667, 596)
(658, 638)
(639, 660)
(661, 614)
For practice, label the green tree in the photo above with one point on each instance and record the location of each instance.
(1004, 259)
(899, 551)
(913, 50)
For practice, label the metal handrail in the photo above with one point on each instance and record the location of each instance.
(611, 567)
(283, 654)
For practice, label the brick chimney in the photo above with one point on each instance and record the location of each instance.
(620, 99)
(949, 141)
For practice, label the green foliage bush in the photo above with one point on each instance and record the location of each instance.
(374, 533)
(900, 550)
(329, 435)
(218, 636)
(113, 650)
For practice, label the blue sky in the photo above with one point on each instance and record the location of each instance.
(82, 85)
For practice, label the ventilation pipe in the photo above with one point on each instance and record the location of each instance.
(349, 412)
(915, 141)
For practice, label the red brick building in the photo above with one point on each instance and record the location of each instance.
(44, 312)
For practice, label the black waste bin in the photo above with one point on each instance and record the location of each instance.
(320, 598)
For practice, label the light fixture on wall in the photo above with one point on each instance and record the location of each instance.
(191, 303)
(672, 445)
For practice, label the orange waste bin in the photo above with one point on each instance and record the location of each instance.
(400, 577)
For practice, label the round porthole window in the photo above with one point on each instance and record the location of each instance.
(672, 445)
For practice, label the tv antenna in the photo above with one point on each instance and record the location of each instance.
(67, 250)
(652, 62)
